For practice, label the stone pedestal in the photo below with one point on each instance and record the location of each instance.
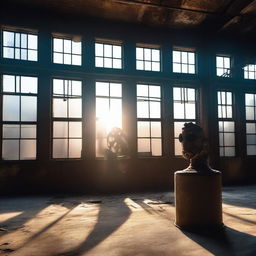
(198, 200)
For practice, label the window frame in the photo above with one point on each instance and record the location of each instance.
(184, 101)
(20, 48)
(181, 63)
(20, 122)
(66, 119)
(150, 120)
(143, 60)
(226, 119)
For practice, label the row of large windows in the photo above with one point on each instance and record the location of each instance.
(109, 54)
(19, 117)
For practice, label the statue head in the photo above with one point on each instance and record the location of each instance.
(193, 140)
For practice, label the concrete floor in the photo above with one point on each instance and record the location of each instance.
(123, 225)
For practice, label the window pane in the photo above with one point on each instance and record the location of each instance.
(59, 107)
(75, 108)
(67, 58)
(155, 55)
(27, 149)
(98, 49)
(139, 53)
(8, 53)
(117, 51)
(176, 68)
(249, 99)
(179, 111)
(142, 90)
(75, 129)
(24, 41)
(229, 139)
(77, 88)
(58, 58)
(251, 150)
(155, 129)
(60, 129)
(250, 128)
(8, 38)
(58, 86)
(28, 131)
(176, 56)
(32, 42)
(11, 131)
(76, 60)
(102, 107)
(107, 50)
(156, 147)
(102, 89)
(178, 128)
(191, 58)
(28, 84)
(191, 111)
(115, 90)
(142, 109)
(229, 151)
(143, 129)
(99, 62)
(184, 57)
(155, 109)
(147, 54)
(117, 63)
(8, 83)
(139, 65)
(67, 46)
(177, 147)
(75, 148)
(60, 148)
(155, 91)
(11, 108)
(155, 66)
(76, 47)
(10, 150)
(107, 63)
(250, 113)
(28, 108)
(143, 145)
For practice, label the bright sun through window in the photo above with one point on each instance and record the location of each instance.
(108, 112)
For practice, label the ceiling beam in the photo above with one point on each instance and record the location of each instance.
(149, 4)
(239, 16)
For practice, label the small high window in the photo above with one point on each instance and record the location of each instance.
(183, 61)
(149, 128)
(67, 119)
(250, 71)
(19, 46)
(226, 124)
(67, 51)
(19, 117)
(147, 58)
(108, 55)
(223, 66)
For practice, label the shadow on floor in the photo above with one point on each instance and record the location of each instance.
(28, 208)
(109, 220)
(242, 197)
(226, 242)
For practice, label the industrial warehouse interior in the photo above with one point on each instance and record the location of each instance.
(94, 95)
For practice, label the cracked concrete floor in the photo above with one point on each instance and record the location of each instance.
(121, 225)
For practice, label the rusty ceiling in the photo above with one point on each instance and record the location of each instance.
(208, 16)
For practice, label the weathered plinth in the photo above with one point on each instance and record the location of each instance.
(198, 200)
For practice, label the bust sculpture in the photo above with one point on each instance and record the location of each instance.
(195, 147)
